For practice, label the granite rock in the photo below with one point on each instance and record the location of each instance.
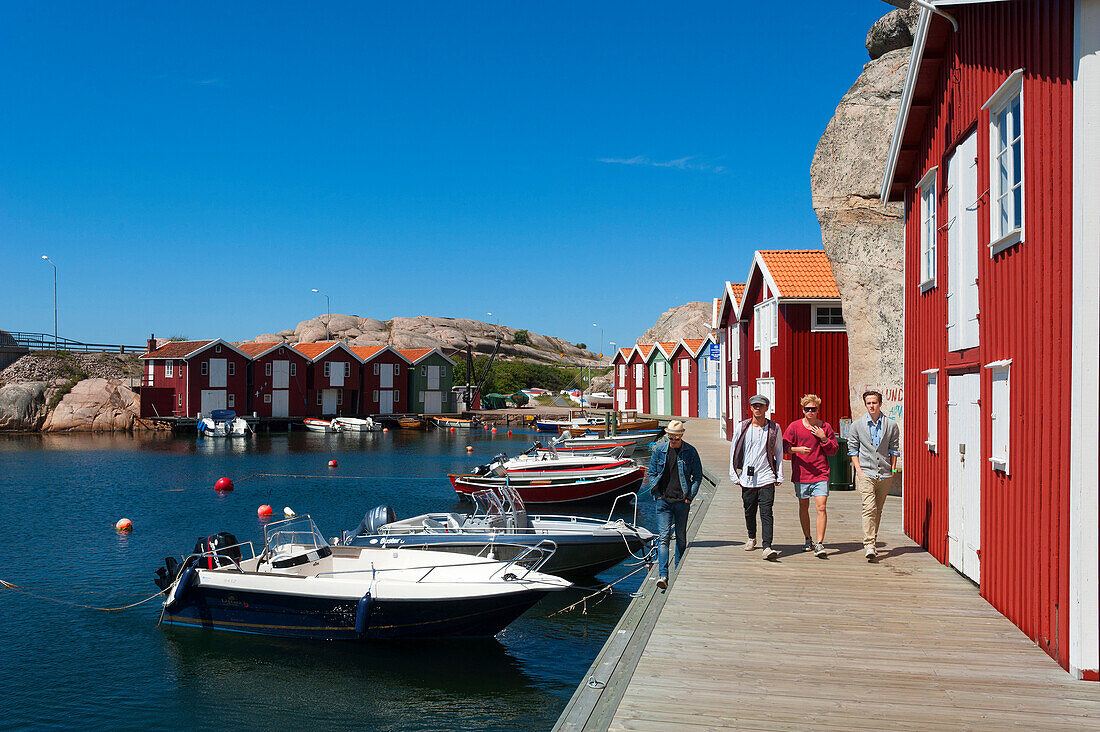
(892, 31)
(23, 406)
(691, 320)
(95, 405)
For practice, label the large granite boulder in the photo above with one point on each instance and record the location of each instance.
(95, 405)
(864, 239)
(23, 406)
(893, 31)
(685, 321)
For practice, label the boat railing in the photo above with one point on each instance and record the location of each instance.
(530, 558)
(195, 558)
(614, 504)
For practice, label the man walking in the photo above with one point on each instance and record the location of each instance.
(810, 442)
(873, 448)
(756, 464)
(675, 472)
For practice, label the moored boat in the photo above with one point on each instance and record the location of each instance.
(456, 422)
(411, 423)
(553, 479)
(564, 445)
(642, 439)
(321, 425)
(599, 399)
(223, 423)
(355, 424)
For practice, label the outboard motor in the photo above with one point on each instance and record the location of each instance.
(375, 519)
(216, 544)
(167, 574)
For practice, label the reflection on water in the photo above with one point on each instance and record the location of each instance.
(67, 491)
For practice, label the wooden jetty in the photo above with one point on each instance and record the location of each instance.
(802, 643)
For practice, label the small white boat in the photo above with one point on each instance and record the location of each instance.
(322, 425)
(223, 423)
(355, 424)
(599, 399)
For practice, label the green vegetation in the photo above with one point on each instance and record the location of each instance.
(507, 377)
(583, 346)
(521, 338)
(72, 370)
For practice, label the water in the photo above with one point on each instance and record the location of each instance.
(69, 666)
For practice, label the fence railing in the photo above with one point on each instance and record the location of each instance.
(46, 342)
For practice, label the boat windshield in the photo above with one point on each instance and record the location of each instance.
(511, 499)
(487, 503)
(299, 531)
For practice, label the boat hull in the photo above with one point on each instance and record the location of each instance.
(562, 488)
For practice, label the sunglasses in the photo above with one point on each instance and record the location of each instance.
(809, 409)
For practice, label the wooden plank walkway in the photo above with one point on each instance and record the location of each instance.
(832, 643)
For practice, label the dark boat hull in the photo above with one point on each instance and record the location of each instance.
(549, 490)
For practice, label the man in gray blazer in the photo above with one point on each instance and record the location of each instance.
(873, 447)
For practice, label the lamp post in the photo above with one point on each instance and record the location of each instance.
(54, 301)
(328, 312)
(601, 336)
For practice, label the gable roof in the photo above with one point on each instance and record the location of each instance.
(366, 353)
(796, 273)
(414, 355)
(732, 295)
(667, 347)
(320, 349)
(644, 349)
(695, 345)
(255, 350)
(187, 349)
(623, 353)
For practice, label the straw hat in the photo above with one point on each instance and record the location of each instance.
(675, 427)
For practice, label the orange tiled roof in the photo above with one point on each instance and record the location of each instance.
(625, 353)
(414, 354)
(738, 290)
(255, 349)
(645, 349)
(365, 352)
(313, 350)
(694, 344)
(177, 349)
(801, 273)
(667, 347)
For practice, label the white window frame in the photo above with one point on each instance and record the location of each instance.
(396, 396)
(267, 369)
(771, 307)
(168, 369)
(397, 369)
(931, 386)
(1001, 102)
(231, 400)
(374, 396)
(267, 399)
(347, 369)
(231, 369)
(424, 371)
(376, 369)
(929, 216)
(179, 400)
(293, 369)
(816, 327)
(319, 402)
(217, 349)
(1000, 414)
(339, 397)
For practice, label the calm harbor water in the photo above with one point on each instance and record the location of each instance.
(66, 666)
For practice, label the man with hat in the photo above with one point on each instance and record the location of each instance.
(675, 472)
(756, 464)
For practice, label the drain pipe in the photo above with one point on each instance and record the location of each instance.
(929, 6)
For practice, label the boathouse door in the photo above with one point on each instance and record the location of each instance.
(280, 403)
(385, 401)
(661, 375)
(620, 399)
(280, 375)
(964, 497)
(766, 387)
(217, 373)
(433, 400)
(211, 399)
(962, 246)
(328, 401)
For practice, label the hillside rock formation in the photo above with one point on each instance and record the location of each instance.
(864, 239)
(691, 320)
(452, 334)
(95, 405)
(23, 406)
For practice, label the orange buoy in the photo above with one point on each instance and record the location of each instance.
(332, 463)
(452, 429)
(223, 484)
(494, 430)
(124, 524)
(469, 448)
(263, 511)
(509, 432)
(385, 429)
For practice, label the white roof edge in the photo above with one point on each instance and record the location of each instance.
(906, 100)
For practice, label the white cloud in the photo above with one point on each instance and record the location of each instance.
(689, 163)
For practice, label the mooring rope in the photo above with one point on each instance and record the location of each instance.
(325, 477)
(606, 590)
(24, 590)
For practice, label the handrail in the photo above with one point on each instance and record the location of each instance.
(46, 341)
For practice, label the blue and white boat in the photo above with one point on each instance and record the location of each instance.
(302, 587)
(223, 423)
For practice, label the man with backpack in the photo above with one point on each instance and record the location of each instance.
(756, 464)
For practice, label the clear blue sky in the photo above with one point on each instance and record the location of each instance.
(195, 169)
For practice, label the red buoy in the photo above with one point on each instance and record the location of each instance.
(509, 432)
(385, 429)
(124, 525)
(452, 429)
(494, 430)
(332, 463)
(223, 484)
(263, 511)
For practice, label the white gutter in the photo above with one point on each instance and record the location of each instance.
(937, 11)
(906, 101)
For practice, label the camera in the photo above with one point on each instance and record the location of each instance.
(750, 471)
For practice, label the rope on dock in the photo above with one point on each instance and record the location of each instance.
(24, 590)
(606, 590)
(325, 477)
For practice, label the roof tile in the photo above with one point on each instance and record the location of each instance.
(801, 273)
(177, 349)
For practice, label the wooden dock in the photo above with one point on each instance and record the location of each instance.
(802, 643)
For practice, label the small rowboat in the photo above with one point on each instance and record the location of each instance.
(354, 424)
(462, 424)
(410, 423)
(321, 425)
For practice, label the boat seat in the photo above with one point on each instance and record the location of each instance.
(432, 525)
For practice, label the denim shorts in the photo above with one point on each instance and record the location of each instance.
(809, 490)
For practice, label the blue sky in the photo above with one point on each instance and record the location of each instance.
(196, 169)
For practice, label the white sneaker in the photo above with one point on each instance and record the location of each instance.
(662, 583)
(769, 553)
(750, 544)
(871, 554)
(819, 549)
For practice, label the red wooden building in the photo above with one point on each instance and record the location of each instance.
(638, 372)
(332, 382)
(792, 337)
(730, 329)
(184, 378)
(385, 380)
(276, 380)
(624, 395)
(685, 377)
(996, 157)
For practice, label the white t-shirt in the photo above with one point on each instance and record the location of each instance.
(756, 442)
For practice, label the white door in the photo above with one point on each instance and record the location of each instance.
(217, 373)
(335, 374)
(433, 400)
(685, 402)
(385, 399)
(712, 401)
(962, 246)
(964, 491)
(620, 399)
(684, 373)
(433, 380)
(328, 401)
(280, 403)
(659, 407)
(385, 376)
(149, 381)
(212, 399)
(767, 388)
(639, 375)
(735, 404)
(280, 375)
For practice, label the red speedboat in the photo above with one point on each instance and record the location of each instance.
(543, 478)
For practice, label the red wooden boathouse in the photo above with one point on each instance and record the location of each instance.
(685, 377)
(624, 395)
(731, 338)
(276, 380)
(385, 380)
(996, 157)
(184, 378)
(638, 372)
(332, 385)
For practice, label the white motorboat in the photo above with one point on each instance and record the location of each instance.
(599, 399)
(355, 424)
(594, 445)
(322, 425)
(302, 587)
(223, 423)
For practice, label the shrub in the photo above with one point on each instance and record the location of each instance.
(521, 337)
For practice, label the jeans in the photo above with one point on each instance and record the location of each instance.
(667, 514)
(762, 497)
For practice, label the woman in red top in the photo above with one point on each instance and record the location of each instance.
(810, 443)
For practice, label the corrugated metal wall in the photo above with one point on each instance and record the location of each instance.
(1024, 296)
(819, 366)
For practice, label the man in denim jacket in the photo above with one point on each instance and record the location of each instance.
(675, 473)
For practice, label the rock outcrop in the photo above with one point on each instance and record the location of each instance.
(685, 321)
(95, 405)
(892, 31)
(864, 239)
(73, 366)
(23, 406)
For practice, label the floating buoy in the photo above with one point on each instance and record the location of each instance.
(124, 524)
(494, 430)
(263, 511)
(385, 429)
(469, 448)
(223, 484)
(332, 463)
(509, 432)
(289, 512)
(452, 429)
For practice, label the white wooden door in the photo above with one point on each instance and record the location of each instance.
(735, 404)
(685, 372)
(385, 398)
(659, 407)
(385, 376)
(964, 495)
(433, 401)
(217, 373)
(433, 378)
(767, 388)
(280, 403)
(620, 399)
(280, 375)
(685, 402)
(328, 401)
(712, 401)
(212, 399)
(962, 246)
(336, 374)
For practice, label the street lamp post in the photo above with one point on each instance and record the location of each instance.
(54, 301)
(328, 312)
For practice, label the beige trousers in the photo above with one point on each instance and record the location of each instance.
(873, 494)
